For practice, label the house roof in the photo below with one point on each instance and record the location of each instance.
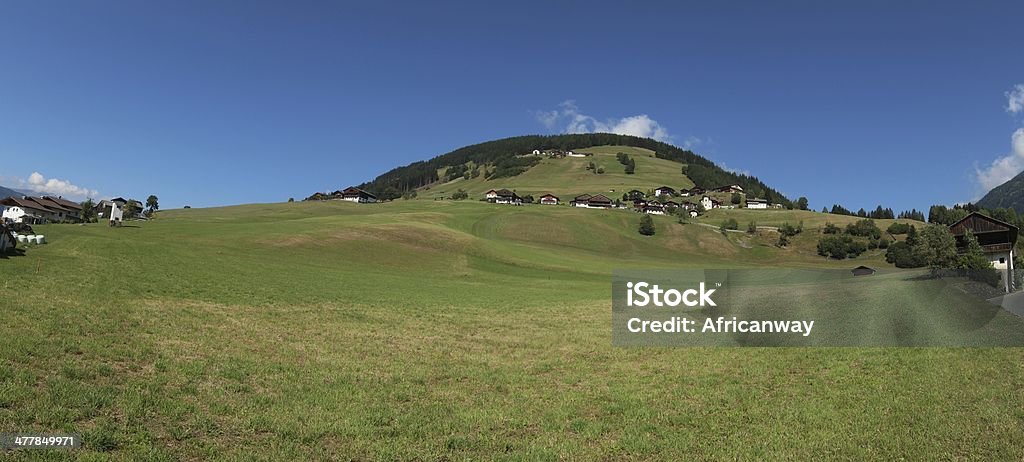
(600, 198)
(49, 204)
(991, 233)
(64, 202)
(582, 197)
(354, 190)
(505, 192)
(660, 188)
(25, 202)
(757, 200)
(549, 195)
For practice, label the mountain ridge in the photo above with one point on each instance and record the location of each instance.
(1006, 195)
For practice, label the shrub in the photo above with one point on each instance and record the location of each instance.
(864, 228)
(646, 225)
(898, 228)
(460, 195)
(730, 224)
(831, 229)
(840, 247)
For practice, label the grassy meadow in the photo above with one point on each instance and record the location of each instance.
(439, 330)
(568, 177)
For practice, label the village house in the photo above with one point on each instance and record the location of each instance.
(592, 202)
(756, 203)
(683, 192)
(353, 194)
(580, 201)
(664, 191)
(694, 213)
(36, 210)
(697, 191)
(997, 239)
(549, 199)
(22, 210)
(733, 188)
(504, 196)
(709, 203)
(105, 207)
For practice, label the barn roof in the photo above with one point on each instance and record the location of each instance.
(982, 224)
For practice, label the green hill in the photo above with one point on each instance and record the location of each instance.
(568, 176)
(1006, 195)
(505, 159)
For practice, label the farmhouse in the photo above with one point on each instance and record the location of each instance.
(23, 210)
(697, 191)
(664, 191)
(105, 208)
(757, 203)
(997, 239)
(504, 196)
(580, 201)
(353, 194)
(652, 207)
(634, 195)
(733, 188)
(549, 199)
(683, 192)
(709, 203)
(592, 202)
(694, 213)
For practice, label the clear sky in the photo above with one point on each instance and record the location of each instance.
(205, 103)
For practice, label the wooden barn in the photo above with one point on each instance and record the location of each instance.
(997, 239)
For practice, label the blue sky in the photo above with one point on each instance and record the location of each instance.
(205, 103)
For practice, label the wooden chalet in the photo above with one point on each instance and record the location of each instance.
(997, 239)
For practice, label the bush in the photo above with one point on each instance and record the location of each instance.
(460, 195)
(752, 227)
(646, 225)
(600, 170)
(730, 224)
(840, 247)
(831, 229)
(864, 228)
(902, 255)
(898, 228)
(789, 230)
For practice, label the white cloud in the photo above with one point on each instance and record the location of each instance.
(577, 122)
(1015, 99)
(1004, 168)
(39, 184)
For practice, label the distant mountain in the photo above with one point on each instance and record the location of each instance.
(7, 192)
(1006, 195)
(501, 158)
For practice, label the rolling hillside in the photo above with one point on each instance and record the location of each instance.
(451, 330)
(504, 159)
(568, 176)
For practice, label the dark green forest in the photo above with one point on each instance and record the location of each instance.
(499, 159)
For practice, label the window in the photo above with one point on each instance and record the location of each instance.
(1002, 260)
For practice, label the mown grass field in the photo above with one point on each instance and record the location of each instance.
(430, 330)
